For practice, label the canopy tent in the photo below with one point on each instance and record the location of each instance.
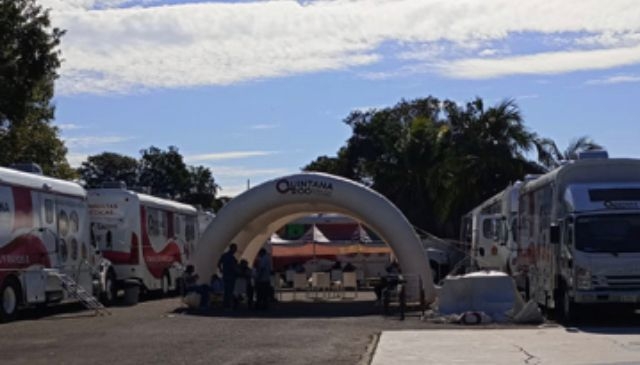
(284, 255)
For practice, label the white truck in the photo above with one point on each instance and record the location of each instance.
(44, 239)
(580, 225)
(147, 239)
(490, 230)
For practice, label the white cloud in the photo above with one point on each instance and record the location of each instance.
(247, 172)
(125, 50)
(542, 63)
(76, 159)
(69, 126)
(93, 141)
(263, 126)
(232, 190)
(488, 52)
(229, 155)
(618, 79)
(527, 96)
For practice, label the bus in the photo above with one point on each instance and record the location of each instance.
(147, 239)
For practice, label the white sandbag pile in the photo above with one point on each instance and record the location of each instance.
(485, 294)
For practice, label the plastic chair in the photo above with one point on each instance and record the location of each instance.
(289, 276)
(276, 282)
(320, 281)
(300, 283)
(350, 281)
(336, 281)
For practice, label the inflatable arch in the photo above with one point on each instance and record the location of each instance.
(253, 216)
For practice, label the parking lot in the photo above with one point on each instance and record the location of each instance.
(161, 331)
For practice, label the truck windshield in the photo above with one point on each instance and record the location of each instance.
(608, 233)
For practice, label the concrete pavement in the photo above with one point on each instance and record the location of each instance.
(510, 346)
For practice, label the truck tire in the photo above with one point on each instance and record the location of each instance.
(10, 299)
(165, 285)
(567, 311)
(131, 294)
(109, 296)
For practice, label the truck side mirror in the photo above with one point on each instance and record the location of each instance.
(554, 234)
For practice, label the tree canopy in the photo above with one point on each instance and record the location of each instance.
(436, 159)
(159, 172)
(29, 59)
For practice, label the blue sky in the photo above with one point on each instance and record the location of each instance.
(256, 90)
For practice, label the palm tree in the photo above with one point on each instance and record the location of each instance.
(483, 150)
(551, 157)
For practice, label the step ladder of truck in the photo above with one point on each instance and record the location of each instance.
(76, 291)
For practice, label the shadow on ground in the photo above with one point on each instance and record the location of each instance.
(296, 309)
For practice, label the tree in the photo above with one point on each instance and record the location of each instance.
(29, 59)
(164, 172)
(435, 160)
(551, 157)
(203, 188)
(109, 166)
(484, 151)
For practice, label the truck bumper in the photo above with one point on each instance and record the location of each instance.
(600, 296)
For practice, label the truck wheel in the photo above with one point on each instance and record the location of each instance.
(165, 285)
(131, 294)
(110, 290)
(10, 296)
(569, 309)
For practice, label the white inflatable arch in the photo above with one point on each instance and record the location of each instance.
(253, 216)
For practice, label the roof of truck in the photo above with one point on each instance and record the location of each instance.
(42, 183)
(589, 171)
(147, 200)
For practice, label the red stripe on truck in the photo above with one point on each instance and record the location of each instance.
(157, 262)
(22, 252)
(23, 208)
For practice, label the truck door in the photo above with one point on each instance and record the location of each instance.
(48, 227)
(488, 241)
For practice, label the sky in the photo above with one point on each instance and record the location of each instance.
(258, 89)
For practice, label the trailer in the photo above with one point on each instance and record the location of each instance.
(147, 239)
(490, 231)
(580, 227)
(46, 255)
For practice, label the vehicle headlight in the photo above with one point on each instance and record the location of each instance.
(583, 278)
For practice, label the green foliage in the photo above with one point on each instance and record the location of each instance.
(550, 155)
(203, 187)
(109, 166)
(163, 172)
(435, 160)
(29, 58)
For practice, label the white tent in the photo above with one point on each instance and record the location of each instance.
(314, 235)
(277, 240)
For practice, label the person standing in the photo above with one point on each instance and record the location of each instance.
(228, 265)
(263, 279)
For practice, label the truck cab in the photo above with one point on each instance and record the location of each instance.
(598, 246)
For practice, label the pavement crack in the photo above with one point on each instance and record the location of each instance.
(531, 359)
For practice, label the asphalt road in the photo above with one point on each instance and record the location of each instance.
(162, 332)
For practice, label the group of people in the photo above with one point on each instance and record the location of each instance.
(239, 281)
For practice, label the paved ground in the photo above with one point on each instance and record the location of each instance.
(506, 346)
(324, 332)
(158, 332)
